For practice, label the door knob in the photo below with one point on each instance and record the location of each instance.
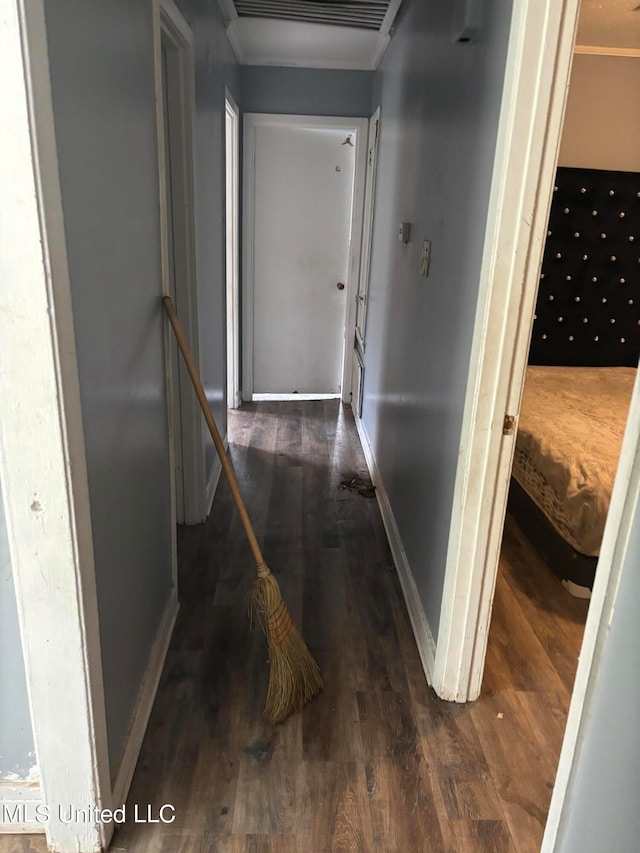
(340, 285)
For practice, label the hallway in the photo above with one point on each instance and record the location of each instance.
(377, 762)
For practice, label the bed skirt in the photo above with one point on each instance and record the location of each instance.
(563, 560)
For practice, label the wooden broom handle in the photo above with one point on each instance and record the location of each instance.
(213, 429)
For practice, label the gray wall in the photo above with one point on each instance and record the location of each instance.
(440, 106)
(216, 67)
(306, 91)
(17, 752)
(602, 812)
(101, 56)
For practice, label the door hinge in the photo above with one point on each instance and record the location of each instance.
(508, 424)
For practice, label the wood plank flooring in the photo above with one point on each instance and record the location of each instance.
(377, 762)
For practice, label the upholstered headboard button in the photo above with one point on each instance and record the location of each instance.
(587, 311)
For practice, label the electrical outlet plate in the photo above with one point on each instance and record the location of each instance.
(426, 258)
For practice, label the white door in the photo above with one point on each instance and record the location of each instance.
(301, 200)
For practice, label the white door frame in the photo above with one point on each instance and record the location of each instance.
(538, 70)
(232, 247)
(171, 27)
(538, 67)
(251, 122)
(373, 142)
(42, 450)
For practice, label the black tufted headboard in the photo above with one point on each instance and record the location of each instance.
(588, 308)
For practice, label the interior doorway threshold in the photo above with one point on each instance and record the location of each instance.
(256, 398)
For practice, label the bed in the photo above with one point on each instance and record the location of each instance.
(582, 364)
(570, 431)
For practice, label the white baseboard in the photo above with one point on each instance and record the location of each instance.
(18, 803)
(421, 630)
(257, 398)
(146, 698)
(214, 478)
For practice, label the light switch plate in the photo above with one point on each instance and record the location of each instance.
(426, 258)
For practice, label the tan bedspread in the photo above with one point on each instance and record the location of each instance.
(569, 436)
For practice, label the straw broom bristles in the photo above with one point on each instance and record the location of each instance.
(294, 676)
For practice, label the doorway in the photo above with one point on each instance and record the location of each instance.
(522, 194)
(175, 82)
(303, 210)
(579, 380)
(232, 242)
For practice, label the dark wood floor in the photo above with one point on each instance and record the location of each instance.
(377, 762)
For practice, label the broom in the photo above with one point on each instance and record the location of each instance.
(294, 676)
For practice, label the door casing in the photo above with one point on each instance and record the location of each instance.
(367, 229)
(176, 36)
(232, 247)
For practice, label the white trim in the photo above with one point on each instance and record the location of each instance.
(538, 68)
(598, 50)
(248, 241)
(174, 23)
(232, 247)
(144, 702)
(26, 795)
(283, 397)
(367, 226)
(169, 24)
(214, 477)
(613, 555)
(355, 251)
(421, 630)
(251, 122)
(337, 65)
(43, 461)
(357, 385)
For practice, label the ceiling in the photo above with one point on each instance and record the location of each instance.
(609, 23)
(353, 34)
(364, 14)
(350, 34)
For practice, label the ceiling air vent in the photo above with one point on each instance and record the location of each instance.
(361, 14)
(348, 34)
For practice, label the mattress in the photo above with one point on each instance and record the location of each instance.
(570, 431)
